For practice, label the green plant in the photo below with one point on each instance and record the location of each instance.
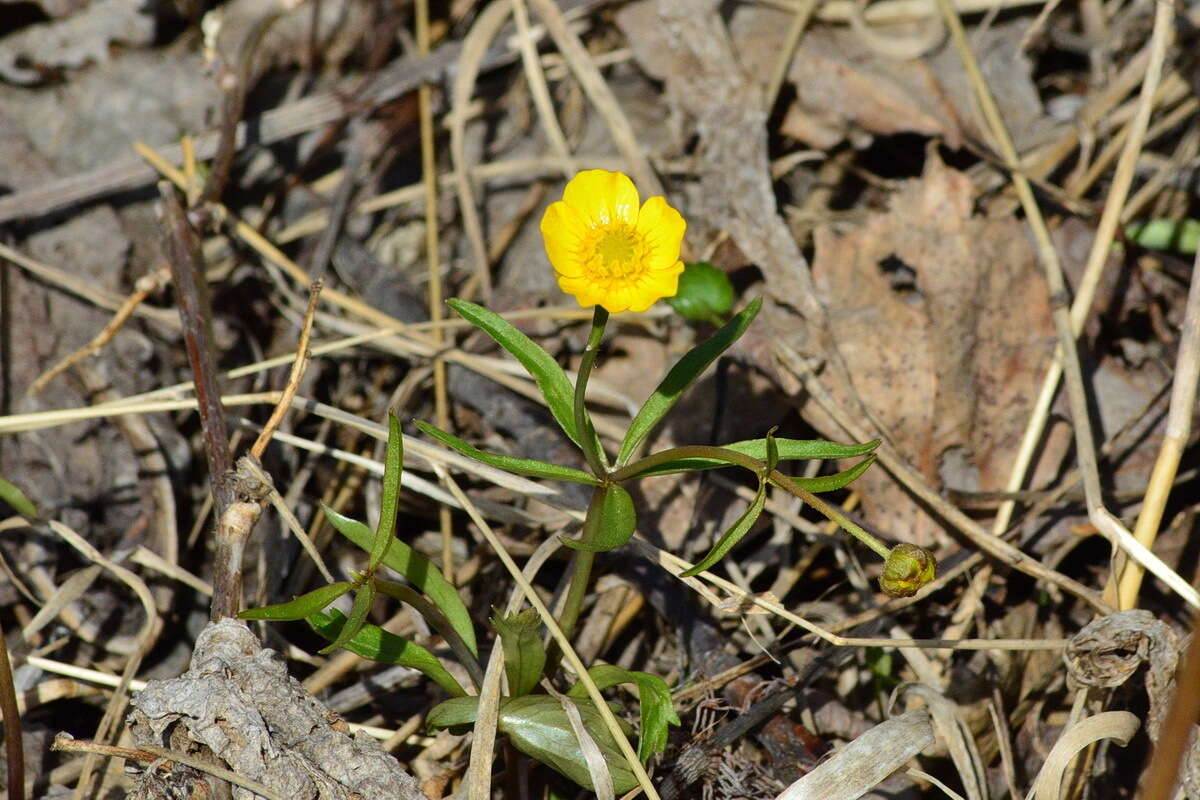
(621, 262)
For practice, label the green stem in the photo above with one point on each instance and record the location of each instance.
(757, 467)
(583, 423)
(580, 577)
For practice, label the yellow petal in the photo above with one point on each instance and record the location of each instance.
(602, 197)
(664, 283)
(563, 231)
(617, 298)
(661, 228)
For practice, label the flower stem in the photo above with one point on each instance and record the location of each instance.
(582, 574)
(583, 423)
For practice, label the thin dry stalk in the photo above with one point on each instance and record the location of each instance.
(299, 365)
(474, 50)
(146, 286)
(1179, 428)
(1098, 515)
(1098, 255)
(602, 97)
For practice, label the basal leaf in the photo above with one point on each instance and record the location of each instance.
(656, 711)
(734, 534)
(302, 606)
(614, 517)
(681, 376)
(518, 466)
(418, 569)
(524, 653)
(545, 371)
(537, 726)
(376, 644)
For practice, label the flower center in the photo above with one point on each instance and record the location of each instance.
(615, 252)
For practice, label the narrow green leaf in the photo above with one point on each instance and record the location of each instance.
(358, 617)
(302, 606)
(524, 653)
(545, 371)
(418, 569)
(453, 713)
(376, 644)
(654, 696)
(615, 522)
(788, 449)
(393, 466)
(734, 534)
(11, 494)
(831, 483)
(537, 726)
(681, 376)
(518, 466)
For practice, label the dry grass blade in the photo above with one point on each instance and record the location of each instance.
(863, 763)
(1179, 427)
(950, 727)
(597, 768)
(1117, 725)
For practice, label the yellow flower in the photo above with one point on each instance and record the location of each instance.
(607, 251)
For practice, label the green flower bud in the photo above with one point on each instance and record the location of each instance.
(906, 570)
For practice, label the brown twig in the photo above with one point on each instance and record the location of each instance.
(14, 750)
(1174, 736)
(187, 269)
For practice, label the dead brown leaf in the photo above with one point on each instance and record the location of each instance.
(943, 322)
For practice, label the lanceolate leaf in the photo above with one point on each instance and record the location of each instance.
(302, 606)
(734, 534)
(614, 517)
(681, 376)
(419, 570)
(831, 483)
(788, 449)
(537, 726)
(358, 617)
(374, 643)
(656, 711)
(519, 466)
(545, 371)
(392, 468)
(524, 654)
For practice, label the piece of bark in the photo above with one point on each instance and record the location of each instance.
(237, 704)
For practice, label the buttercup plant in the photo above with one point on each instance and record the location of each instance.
(617, 254)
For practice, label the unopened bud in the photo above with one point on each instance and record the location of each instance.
(906, 570)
